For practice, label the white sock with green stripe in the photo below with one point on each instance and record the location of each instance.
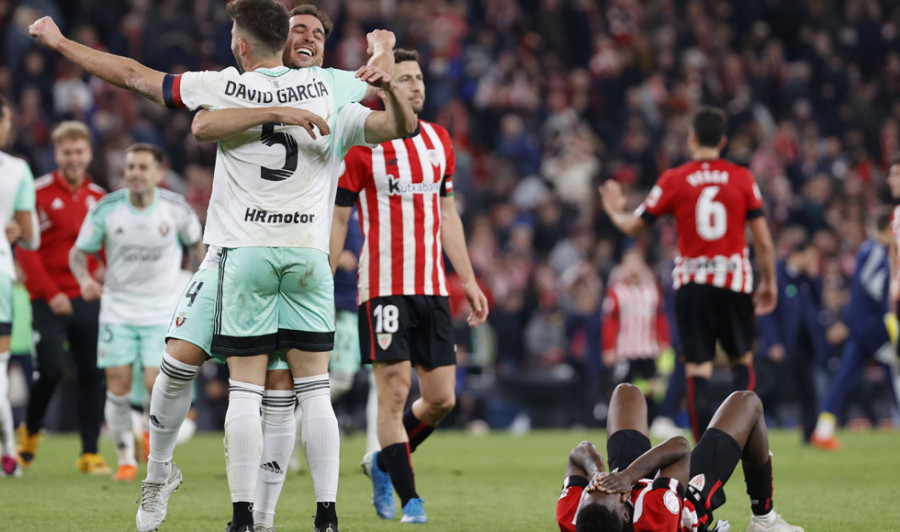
(279, 434)
(320, 435)
(6, 415)
(118, 418)
(243, 439)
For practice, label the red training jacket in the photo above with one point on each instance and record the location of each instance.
(61, 212)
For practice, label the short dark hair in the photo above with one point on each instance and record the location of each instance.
(709, 126)
(402, 55)
(597, 518)
(152, 149)
(309, 9)
(266, 20)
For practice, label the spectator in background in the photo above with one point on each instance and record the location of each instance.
(792, 337)
(635, 330)
(63, 199)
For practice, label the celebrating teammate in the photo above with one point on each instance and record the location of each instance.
(142, 229)
(633, 496)
(17, 202)
(59, 312)
(403, 190)
(712, 201)
(270, 215)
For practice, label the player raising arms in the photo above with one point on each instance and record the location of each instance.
(403, 190)
(17, 207)
(712, 201)
(629, 497)
(271, 214)
(142, 229)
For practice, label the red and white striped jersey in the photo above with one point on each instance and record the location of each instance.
(895, 230)
(397, 188)
(634, 321)
(711, 202)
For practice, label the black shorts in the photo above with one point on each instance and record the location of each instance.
(5, 328)
(712, 462)
(414, 328)
(706, 314)
(641, 368)
(623, 447)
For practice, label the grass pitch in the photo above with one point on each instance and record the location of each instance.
(492, 482)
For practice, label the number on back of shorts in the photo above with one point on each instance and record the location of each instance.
(387, 318)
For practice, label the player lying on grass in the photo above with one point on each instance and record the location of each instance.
(647, 489)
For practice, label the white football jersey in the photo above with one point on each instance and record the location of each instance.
(16, 194)
(273, 185)
(143, 254)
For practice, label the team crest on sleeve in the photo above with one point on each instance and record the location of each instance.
(384, 340)
(671, 501)
(435, 157)
(698, 482)
(180, 319)
(163, 229)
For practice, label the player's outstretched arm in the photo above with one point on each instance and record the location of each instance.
(613, 201)
(398, 119)
(381, 48)
(766, 296)
(453, 239)
(210, 126)
(119, 71)
(338, 234)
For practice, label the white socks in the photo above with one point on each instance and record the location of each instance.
(243, 439)
(279, 434)
(6, 415)
(320, 435)
(169, 405)
(118, 418)
(825, 425)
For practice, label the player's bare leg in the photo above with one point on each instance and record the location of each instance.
(741, 417)
(319, 433)
(117, 412)
(438, 399)
(391, 467)
(170, 401)
(279, 434)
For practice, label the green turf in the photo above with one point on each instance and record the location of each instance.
(493, 482)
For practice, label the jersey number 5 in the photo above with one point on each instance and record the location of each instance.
(712, 220)
(270, 138)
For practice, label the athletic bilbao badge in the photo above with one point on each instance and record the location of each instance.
(435, 157)
(698, 482)
(384, 340)
(180, 319)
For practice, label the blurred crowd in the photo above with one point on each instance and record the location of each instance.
(544, 100)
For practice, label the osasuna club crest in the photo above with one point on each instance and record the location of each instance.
(163, 229)
(384, 340)
(180, 319)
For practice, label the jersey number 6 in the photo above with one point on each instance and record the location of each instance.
(712, 220)
(270, 138)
